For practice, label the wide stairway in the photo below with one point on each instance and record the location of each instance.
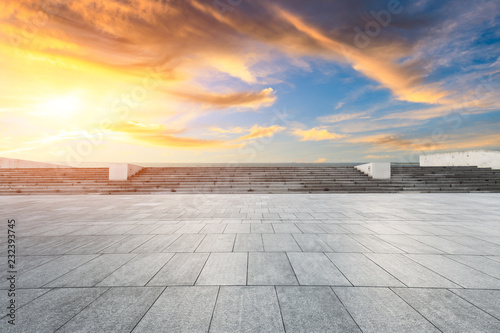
(248, 179)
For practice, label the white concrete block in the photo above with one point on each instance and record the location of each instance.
(376, 170)
(479, 158)
(122, 171)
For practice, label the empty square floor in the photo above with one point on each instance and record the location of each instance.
(252, 263)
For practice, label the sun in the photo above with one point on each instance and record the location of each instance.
(63, 106)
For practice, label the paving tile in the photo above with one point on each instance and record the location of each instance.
(22, 297)
(180, 310)
(168, 228)
(279, 243)
(193, 228)
(310, 228)
(409, 272)
(270, 269)
(185, 243)
(92, 272)
(117, 310)
(156, 244)
(478, 244)
(380, 310)
(217, 243)
(446, 245)
(486, 300)
(224, 269)
(480, 263)
(128, 244)
(98, 244)
(248, 243)
(361, 271)
(286, 228)
(342, 243)
(182, 269)
(53, 309)
(237, 229)
(261, 228)
(138, 271)
(316, 269)
(357, 229)
(461, 274)
(51, 270)
(213, 229)
(448, 312)
(375, 244)
(313, 309)
(247, 309)
(408, 244)
(311, 243)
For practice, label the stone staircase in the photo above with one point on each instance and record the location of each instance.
(248, 179)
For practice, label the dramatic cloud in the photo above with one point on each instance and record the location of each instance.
(316, 134)
(240, 99)
(259, 132)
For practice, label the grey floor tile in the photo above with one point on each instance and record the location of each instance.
(409, 272)
(270, 269)
(192, 228)
(51, 270)
(361, 271)
(480, 263)
(311, 243)
(217, 243)
(117, 310)
(185, 243)
(446, 245)
(92, 272)
(459, 273)
(138, 271)
(213, 229)
(408, 244)
(156, 244)
(313, 309)
(53, 309)
(279, 243)
(98, 244)
(247, 309)
(316, 269)
(182, 269)
(180, 310)
(257, 228)
(286, 228)
(375, 244)
(248, 243)
(448, 312)
(224, 269)
(478, 244)
(237, 228)
(333, 228)
(380, 310)
(486, 300)
(128, 244)
(342, 243)
(168, 228)
(310, 228)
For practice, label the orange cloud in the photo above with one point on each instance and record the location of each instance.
(315, 134)
(259, 132)
(159, 136)
(390, 142)
(321, 160)
(252, 100)
(405, 84)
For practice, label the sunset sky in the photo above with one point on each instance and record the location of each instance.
(247, 80)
